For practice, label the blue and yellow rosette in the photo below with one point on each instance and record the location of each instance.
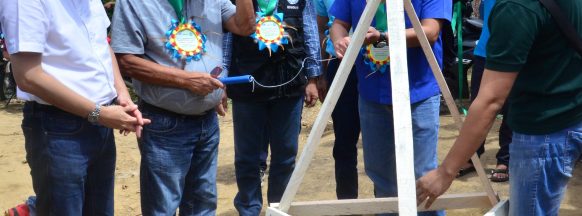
(378, 59)
(186, 41)
(269, 32)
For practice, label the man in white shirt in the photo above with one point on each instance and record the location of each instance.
(67, 74)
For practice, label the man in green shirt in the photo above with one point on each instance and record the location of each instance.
(530, 61)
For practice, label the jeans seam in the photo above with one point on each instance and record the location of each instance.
(537, 176)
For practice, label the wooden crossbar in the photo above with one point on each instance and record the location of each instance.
(383, 205)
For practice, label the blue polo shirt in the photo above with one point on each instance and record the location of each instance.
(481, 49)
(377, 87)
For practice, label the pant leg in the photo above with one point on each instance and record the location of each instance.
(284, 121)
(540, 168)
(199, 196)
(101, 178)
(60, 147)
(505, 137)
(425, 127)
(250, 123)
(346, 126)
(477, 75)
(166, 147)
(378, 142)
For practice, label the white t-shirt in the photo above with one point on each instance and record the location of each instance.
(72, 37)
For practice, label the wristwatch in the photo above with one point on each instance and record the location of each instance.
(93, 117)
(382, 41)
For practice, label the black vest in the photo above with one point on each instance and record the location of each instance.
(276, 69)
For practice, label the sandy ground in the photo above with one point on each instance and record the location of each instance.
(319, 183)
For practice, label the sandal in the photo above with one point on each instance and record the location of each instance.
(495, 178)
(465, 171)
(20, 210)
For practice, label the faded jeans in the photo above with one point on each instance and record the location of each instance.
(540, 168)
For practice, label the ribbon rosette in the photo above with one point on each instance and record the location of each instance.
(378, 59)
(269, 32)
(186, 40)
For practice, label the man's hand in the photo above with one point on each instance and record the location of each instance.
(341, 46)
(372, 36)
(124, 100)
(311, 93)
(222, 107)
(322, 88)
(118, 117)
(201, 83)
(432, 185)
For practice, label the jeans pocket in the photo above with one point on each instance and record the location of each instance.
(62, 124)
(160, 123)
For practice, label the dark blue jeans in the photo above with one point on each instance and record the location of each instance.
(178, 165)
(346, 127)
(72, 162)
(256, 124)
(505, 133)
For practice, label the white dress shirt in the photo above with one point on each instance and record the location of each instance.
(72, 37)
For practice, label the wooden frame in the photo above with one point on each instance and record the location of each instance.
(405, 204)
(384, 205)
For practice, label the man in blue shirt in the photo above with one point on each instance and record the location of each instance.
(346, 121)
(500, 174)
(376, 116)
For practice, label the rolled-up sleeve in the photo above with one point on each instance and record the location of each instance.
(25, 26)
(227, 10)
(313, 66)
(127, 32)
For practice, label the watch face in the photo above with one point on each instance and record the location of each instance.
(380, 44)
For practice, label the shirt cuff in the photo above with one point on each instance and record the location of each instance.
(313, 71)
(502, 67)
(25, 47)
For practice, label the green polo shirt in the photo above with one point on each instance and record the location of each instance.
(547, 94)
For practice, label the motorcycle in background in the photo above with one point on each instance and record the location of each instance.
(459, 41)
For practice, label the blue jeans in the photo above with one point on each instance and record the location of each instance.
(540, 168)
(378, 138)
(72, 162)
(256, 124)
(346, 128)
(178, 165)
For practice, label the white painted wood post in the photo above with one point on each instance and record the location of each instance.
(401, 109)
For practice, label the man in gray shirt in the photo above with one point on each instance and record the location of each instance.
(170, 69)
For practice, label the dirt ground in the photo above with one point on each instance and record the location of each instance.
(319, 183)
